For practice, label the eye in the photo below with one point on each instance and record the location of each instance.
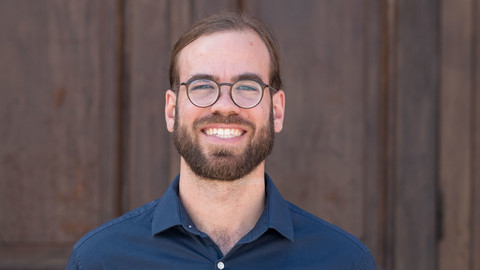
(202, 85)
(247, 86)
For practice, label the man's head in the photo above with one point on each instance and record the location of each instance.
(222, 140)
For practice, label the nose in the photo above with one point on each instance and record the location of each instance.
(225, 104)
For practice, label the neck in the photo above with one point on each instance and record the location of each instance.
(225, 210)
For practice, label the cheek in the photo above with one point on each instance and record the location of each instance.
(266, 111)
(186, 113)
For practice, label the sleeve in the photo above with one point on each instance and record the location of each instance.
(72, 261)
(366, 263)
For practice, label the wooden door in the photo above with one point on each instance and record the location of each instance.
(381, 136)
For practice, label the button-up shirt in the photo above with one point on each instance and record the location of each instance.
(161, 235)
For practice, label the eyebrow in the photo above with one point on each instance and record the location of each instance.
(248, 76)
(243, 76)
(202, 77)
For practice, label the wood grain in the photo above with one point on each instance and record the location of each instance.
(475, 195)
(382, 120)
(456, 133)
(58, 125)
(374, 211)
(146, 142)
(413, 136)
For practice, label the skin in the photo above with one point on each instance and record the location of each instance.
(225, 210)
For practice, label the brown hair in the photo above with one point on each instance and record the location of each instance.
(223, 22)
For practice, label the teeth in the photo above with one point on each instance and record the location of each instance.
(224, 133)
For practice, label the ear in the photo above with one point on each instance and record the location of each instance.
(170, 104)
(278, 101)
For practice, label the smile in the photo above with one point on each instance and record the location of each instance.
(224, 133)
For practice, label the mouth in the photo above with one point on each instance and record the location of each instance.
(224, 133)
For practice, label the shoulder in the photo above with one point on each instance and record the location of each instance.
(304, 222)
(324, 237)
(95, 249)
(135, 222)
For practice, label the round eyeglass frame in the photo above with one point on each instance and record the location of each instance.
(219, 85)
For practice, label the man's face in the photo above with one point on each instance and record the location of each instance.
(224, 141)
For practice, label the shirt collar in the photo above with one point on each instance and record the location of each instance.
(170, 212)
(279, 216)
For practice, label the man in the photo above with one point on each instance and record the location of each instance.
(222, 211)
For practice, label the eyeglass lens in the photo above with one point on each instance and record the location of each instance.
(245, 93)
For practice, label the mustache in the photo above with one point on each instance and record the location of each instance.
(222, 119)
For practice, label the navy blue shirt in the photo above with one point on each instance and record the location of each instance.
(161, 235)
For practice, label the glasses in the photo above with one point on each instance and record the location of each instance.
(244, 93)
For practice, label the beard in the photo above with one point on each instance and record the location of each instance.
(223, 163)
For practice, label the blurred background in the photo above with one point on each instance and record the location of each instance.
(381, 136)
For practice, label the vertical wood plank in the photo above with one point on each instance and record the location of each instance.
(475, 247)
(413, 136)
(147, 140)
(57, 127)
(456, 133)
(389, 19)
(375, 108)
(319, 159)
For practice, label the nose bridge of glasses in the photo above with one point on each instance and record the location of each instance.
(228, 89)
(225, 84)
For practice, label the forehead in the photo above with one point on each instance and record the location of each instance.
(225, 55)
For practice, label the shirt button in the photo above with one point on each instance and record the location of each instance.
(220, 265)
